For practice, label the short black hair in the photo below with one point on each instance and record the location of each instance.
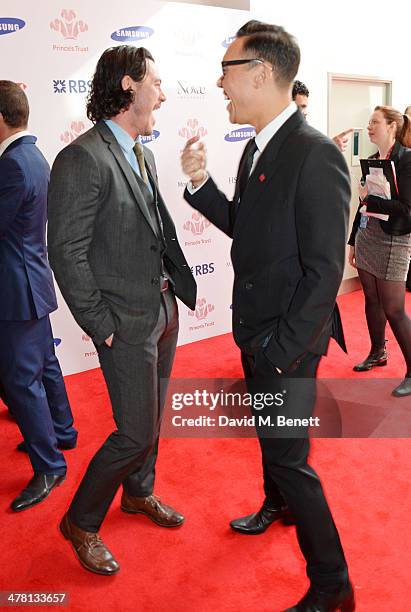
(14, 105)
(299, 89)
(273, 44)
(107, 98)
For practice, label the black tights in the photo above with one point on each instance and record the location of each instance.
(385, 300)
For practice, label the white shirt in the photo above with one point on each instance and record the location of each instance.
(261, 140)
(12, 138)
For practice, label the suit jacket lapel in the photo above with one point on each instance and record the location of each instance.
(395, 153)
(240, 169)
(131, 177)
(162, 208)
(267, 166)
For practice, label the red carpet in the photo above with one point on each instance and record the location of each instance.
(204, 566)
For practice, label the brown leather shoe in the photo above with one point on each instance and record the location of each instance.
(89, 548)
(152, 507)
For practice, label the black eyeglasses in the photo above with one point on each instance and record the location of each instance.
(238, 62)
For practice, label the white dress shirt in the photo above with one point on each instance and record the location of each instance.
(261, 140)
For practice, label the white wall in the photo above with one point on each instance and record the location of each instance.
(348, 37)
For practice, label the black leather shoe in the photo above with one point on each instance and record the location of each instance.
(403, 388)
(38, 489)
(317, 601)
(60, 445)
(257, 523)
(374, 359)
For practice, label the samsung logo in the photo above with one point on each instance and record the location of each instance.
(227, 41)
(153, 136)
(240, 134)
(8, 25)
(132, 33)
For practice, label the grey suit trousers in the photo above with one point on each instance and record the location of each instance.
(133, 374)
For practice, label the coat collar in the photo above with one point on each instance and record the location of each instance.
(396, 150)
(26, 139)
(265, 168)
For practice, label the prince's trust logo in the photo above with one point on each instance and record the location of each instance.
(192, 128)
(69, 27)
(201, 313)
(190, 42)
(72, 132)
(197, 224)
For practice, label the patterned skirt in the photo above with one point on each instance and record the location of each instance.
(386, 257)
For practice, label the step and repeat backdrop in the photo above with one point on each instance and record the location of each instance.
(52, 51)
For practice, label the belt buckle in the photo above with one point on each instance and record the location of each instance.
(164, 285)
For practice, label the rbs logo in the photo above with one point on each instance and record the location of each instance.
(203, 269)
(71, 86)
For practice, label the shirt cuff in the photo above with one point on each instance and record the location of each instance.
(191, 190)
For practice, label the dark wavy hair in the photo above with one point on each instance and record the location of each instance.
(273, 44)
(299, 88)
(107, 98)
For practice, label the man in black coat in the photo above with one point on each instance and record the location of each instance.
(288, 221)
(115, 254)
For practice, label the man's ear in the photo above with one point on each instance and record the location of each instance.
(126, 82)
(260, 77)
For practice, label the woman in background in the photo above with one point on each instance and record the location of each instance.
(408, 283)
(381, 250)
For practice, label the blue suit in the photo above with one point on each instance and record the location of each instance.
(30, 373)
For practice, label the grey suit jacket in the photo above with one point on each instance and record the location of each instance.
(103, 247)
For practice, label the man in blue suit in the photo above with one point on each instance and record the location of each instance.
(29, 370)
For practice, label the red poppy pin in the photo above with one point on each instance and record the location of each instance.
(261, 178)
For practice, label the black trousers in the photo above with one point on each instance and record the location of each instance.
(134, 375)
(288, 478)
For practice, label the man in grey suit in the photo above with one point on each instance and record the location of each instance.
(114, 251)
